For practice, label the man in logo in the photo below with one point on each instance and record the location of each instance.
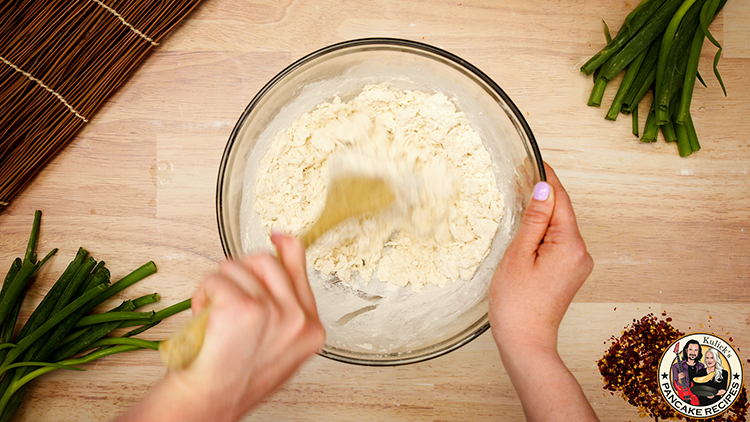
(688, 366)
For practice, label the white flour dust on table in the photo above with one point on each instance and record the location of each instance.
(448, 205)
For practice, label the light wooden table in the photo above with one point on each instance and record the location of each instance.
(666, 233)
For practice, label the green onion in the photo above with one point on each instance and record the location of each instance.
(683, 140)
(633, 23)
(642, 39)
(641, 89)
(692, 135)
(16, 385)
(54, 320)
(45, 259)
(47, 364)
(46, 339)
(43, 345)
(160, 315)
(81, 339)
(9, 324)
(146, 344)
(595, 100)
(668, 131)
(627, 81)
(660, 45)
(44, 309)
(673, 56)
(607, 34)
(629, 18)
(16, 288)
(145, 300)
(87, 336)
(690, 75)
(141, 329)
(137, 275)
(691, 72)
(52, 341)
(651, 129)
(708, 13)
(644, 79)
(30, 255)
(113, 316)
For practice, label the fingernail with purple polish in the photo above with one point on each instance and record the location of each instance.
(541, 191)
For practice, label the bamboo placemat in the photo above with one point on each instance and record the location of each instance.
(59, 61)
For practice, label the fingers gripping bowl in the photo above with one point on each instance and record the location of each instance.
(378, 323)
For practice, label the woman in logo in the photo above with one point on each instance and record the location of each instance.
(720, 378)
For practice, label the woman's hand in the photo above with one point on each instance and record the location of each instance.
(262, 325)
(543, 268)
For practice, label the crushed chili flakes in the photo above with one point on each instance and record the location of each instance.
(630, 367)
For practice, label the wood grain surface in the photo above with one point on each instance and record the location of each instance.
(666, 233)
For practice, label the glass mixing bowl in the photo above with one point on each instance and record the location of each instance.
(380, 324)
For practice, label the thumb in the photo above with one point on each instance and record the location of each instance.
(536, 219)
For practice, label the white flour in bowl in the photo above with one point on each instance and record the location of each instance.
(449, 205)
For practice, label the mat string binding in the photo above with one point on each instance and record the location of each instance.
(124, 22)
(43, 85)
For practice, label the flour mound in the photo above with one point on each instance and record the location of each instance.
(448, 206)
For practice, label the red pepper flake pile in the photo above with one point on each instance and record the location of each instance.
(630, 368)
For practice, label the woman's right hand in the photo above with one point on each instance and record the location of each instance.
(262, 325)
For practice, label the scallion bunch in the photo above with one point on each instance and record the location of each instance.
(62, 332)
(659, 46)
